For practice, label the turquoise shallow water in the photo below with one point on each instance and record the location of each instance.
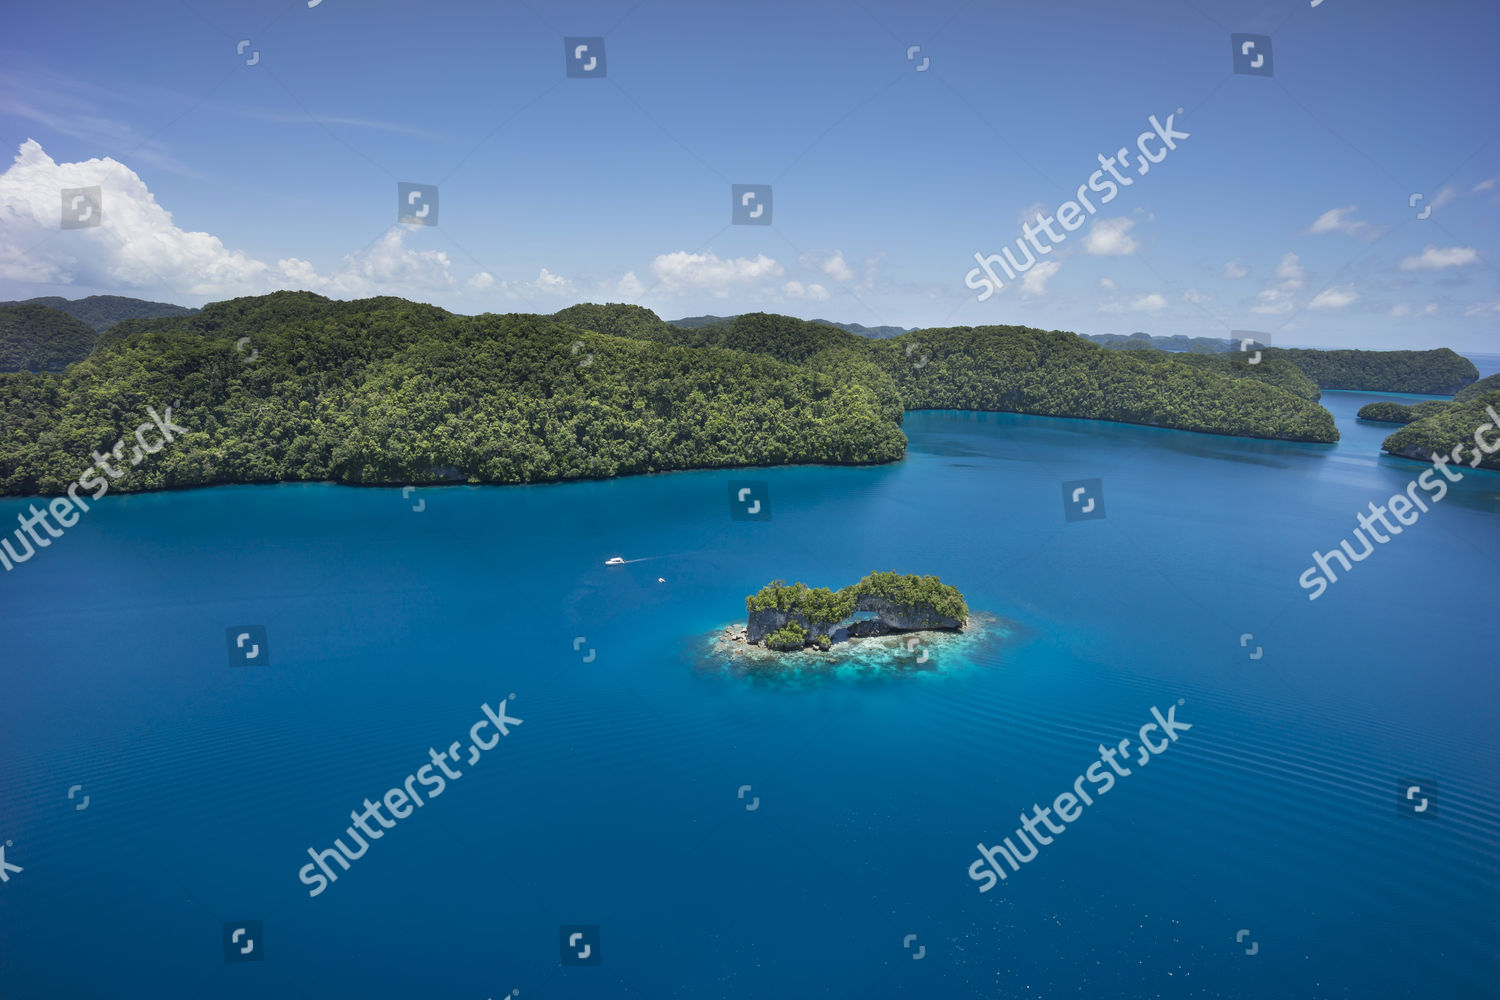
(618, 801)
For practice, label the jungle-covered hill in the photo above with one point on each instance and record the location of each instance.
(384, 390)
(1440, 372)
(39, 338)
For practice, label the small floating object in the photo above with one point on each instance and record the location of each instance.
(614, 561)
(661, 579)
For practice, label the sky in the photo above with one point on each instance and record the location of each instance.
(242, 146)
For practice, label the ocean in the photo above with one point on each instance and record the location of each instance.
(160, 790)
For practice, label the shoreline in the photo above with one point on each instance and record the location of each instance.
(729, 647)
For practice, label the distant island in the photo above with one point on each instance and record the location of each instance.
(790, 618)
(296, 387)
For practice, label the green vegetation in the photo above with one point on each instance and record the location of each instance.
(1272, 371)
(1401, 413)
(789, 637)
(383, 390)
(1453, 425)
(1021, 370)
(824, 607)
(389, 391)
(1178, 342)
(1481, 388)
(38, 338)
(100, 312)
(817, 604)
(1440, 372)
(910, 591)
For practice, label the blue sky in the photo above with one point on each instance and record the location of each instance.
(1286, 211)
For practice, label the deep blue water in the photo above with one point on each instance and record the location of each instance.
(616, 801)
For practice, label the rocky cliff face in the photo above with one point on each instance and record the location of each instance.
(906, 617)
(893, 618)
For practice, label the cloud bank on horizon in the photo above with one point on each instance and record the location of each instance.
(889, 174)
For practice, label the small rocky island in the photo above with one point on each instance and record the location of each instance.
(791, 618)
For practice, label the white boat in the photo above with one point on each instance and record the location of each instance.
(614, 561)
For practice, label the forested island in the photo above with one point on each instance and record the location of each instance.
(387, 391)
(1449, 431)
(1439, 372)
(293, 386)
(790, 618)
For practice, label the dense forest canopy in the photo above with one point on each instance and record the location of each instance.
(1385, 412)
(389, 391)
(38, 338)
(100, 312)
(1455, 424)
(1439, 372)
(384, 390)
(1483, 387)
(825, 608)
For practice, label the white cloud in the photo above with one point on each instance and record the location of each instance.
(1444, 196)
(1110, 238)
(681, 270)
(1403, 309)
(1337, 220)
(1028, 215)
(835, 267)
(1150, 302)
(1488, 183)
(630, 286)
(1196, 297)
(483, 279)
(1483, 308)
(1108, 284)
(1278, 299)
(1234, 269)
(1290, 271)
(1334, 298)
(137, 246)
(796, 290)
(1433, 258)
(1034, 281)
(552, 284)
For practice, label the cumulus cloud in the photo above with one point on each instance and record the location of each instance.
(1108, 284)
(1196, 297)
(630, 285)
(1434, 258)
(1150, 302)
(483, 279)
(1339, 220)
(682, 271)
(1034, 281)
(1234, 269)
(796, 290)
(1290, 270)
(1110, 238)
(1404, 309)
(552, 284)
(137, 246)
(1334, 298)
(1277, 299)
(836, 267)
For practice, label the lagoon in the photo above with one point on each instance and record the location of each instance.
(619, 802)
